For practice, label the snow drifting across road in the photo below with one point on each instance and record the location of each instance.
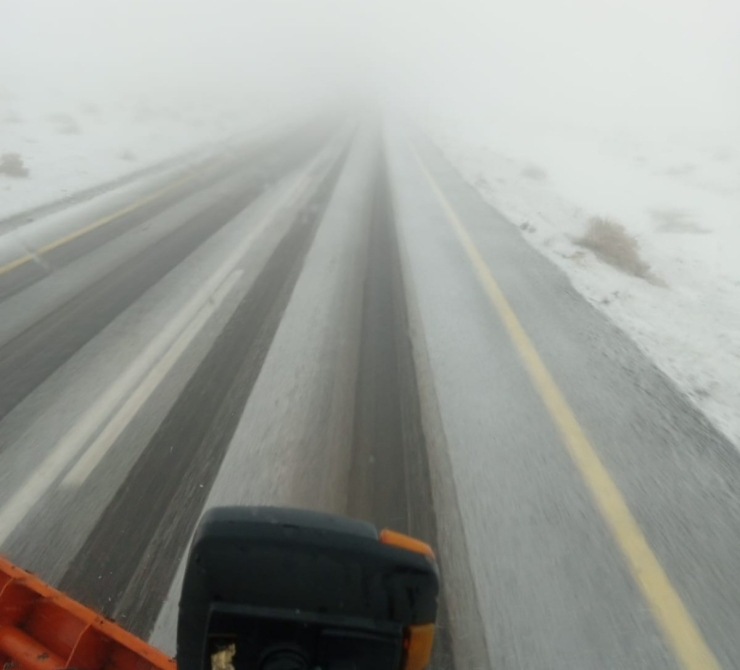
(678, 204)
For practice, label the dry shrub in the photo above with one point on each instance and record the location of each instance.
(89, 108)
(534, 172)
(145, 114)
(611, 242)
(680, 170)
(65, 124)
(723, 155)
(677, 221)
(12, 165)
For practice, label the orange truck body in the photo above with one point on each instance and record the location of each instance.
(42, 629)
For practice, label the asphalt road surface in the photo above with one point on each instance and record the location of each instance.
(330, 318)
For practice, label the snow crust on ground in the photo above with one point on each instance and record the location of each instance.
(70, 142)
(678, 197)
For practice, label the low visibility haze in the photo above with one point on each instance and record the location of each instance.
(463, 269)
(627, 64)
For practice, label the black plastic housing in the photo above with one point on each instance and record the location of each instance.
(293, 589)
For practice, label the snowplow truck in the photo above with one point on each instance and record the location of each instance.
(264, 589)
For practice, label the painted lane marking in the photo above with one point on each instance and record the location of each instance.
(112, 431)
(36, 255)
(100, 413)
(670, 613)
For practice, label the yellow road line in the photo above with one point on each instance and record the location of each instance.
(96, 224)
(671, 615)
(14, 264)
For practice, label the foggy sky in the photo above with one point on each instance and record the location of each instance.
(642, 63)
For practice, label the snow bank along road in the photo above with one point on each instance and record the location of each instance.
(330, 318)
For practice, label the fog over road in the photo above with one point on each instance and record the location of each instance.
(329, 317)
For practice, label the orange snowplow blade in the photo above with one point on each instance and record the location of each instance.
(42, 629)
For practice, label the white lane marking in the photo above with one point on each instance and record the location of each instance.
(21, 502)
(102, 444)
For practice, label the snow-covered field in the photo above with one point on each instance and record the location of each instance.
(679, 200)
(52, 146)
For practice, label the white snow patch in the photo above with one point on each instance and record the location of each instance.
(69, 143)
(679, 199)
